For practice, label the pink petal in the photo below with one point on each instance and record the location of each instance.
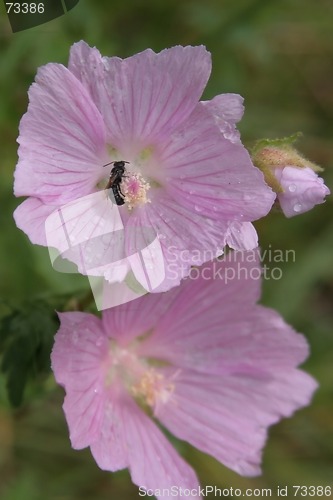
(212, 176)
(30, 216)
(242, 236)
(144, 251)
(130, 439)
(228, 417)
(186, 238)
(62, 139)
(77, 362)
(227, 110)
(144, 97)
(103, 416)
(134, 318)
(220, 299)
(303, 189)
(88, 231)
(180, 245)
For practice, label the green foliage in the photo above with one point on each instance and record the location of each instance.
(26, 339)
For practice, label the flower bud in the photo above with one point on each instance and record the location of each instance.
(290, 175)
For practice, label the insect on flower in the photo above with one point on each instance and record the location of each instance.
(190, 180)
(116, 176)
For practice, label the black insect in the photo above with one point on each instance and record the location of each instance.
(116, 176)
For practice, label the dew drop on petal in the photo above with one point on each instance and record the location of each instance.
(292, 188)
(197, 208)
(297, 207)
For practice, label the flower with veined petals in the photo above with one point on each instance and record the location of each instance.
(203, 359)
(188, 176)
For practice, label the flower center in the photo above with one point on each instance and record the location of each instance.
(153, 388)
(148, 385)
(127, 186)
(131, 174)
(135, 188)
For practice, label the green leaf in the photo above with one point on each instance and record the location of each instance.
(26, 339)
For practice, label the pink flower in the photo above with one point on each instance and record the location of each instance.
(203, 359)
(302, 189)
(188, 178)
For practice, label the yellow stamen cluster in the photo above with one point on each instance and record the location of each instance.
(135, 188)
(152, 388)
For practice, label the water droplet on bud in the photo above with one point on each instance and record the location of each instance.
(297, 207)
(292, 188)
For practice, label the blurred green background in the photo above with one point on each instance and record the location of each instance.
(279, 56)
